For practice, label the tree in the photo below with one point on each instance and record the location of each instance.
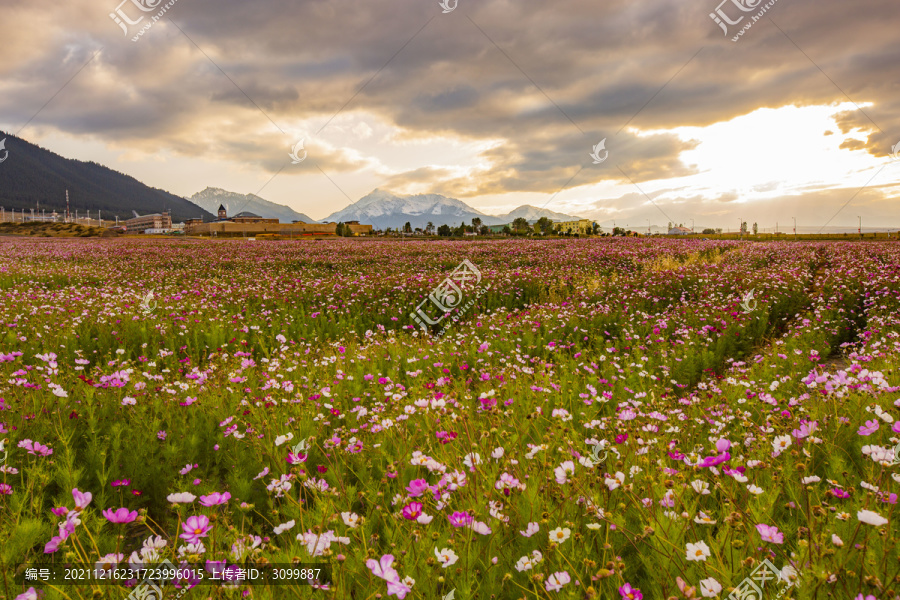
(743, 226)
(545, 225)
(407, 228)
(476, 224)
(444, 230)
(755, 229)
(520, 224)
(596, 229)
(670, 225)
(339, 230)
(709, 231)
(429, 228)
(485, 230)
(507, 230)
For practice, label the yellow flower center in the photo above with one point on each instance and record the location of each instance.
(198, 531)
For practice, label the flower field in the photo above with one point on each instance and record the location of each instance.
(610, 419)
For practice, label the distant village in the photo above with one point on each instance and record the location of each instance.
(250, 225)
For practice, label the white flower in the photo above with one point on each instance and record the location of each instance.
(753, 489)
(810, 479)
(780, 444)
(701, 487)
(446, 557)
(424, 519)
(472, 459)
(284, 438)
(531, 529)
(698, 552)
(351, 519)
(594, 526)
(284, 527)
(559, 535)
(871, 518)
(563, 472)
(614, 483)
(498, 453)
(181, 498)
(710, 588)
(836, 540)
(704, 519)
(128, 401)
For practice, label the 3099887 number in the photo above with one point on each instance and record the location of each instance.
(296, 574)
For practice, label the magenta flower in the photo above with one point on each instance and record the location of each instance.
(195, 528)
(120, 482)
(839, 493)
(723, 445)
(869, 428)
(215, 498)
(82, 499)
(121, 515)
(417, 487)
(770, 533)
(5, 489)
(460, 519)
(412, 511)
(630, 593)
(59, 511)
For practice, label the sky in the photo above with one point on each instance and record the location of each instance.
(494, 102)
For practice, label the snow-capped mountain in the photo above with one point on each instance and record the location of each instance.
(210, 199)
(383, 209)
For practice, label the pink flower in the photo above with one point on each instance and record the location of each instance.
(82, 499)
(5, 489)
(30, 594)
(869, 428)
(121, 515)
(417, 487)
(59, 511)
(383, 570)
(770, 533)
(460, 519)
(215, 499)
(195, 528)
(630, 593)
(412, 511)
(723, 445)
(556, 581)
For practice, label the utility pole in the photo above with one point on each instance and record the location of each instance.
(648, 226)
(860, 227)
(692, 226)
(741, 228)
(67, 206)
(795, 227)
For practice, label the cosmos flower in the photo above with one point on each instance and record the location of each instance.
(560, 535)
(698, 552)
(121, 515)
(770, 533)
(196, 527)
(446, 557)
(710, 588)
(871, 518)
(556, 581)
(215, 499)
(181, 498)
(630, 593)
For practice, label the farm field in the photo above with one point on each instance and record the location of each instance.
(602, 418)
